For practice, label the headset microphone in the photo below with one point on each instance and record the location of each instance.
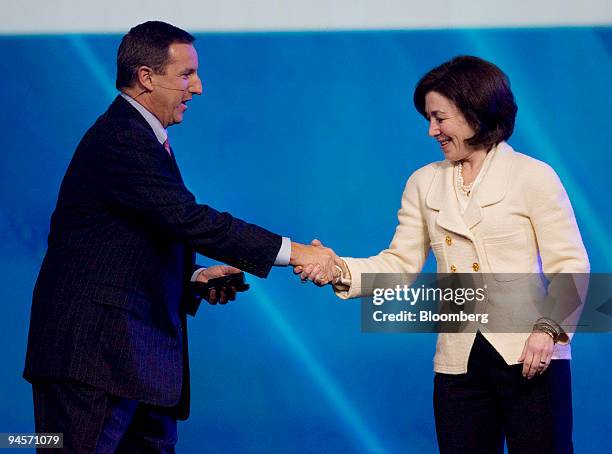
(169, 88)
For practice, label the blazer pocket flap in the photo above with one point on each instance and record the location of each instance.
(508, 255)
(122, 298)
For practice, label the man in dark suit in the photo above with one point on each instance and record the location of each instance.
(107, 347)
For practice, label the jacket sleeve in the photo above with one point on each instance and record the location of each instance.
(564, 258)
(408, 249)
(134, 177)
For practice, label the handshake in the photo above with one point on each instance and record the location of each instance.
(313, 262)
(317, 263)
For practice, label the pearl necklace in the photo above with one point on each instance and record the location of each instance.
(465, 188)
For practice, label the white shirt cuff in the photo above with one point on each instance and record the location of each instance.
(284, 254)
(282, 259)
(194, 276)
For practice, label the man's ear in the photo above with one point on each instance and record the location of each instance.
(145, 77)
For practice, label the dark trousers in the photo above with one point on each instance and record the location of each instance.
(94, 421)
(475, 411)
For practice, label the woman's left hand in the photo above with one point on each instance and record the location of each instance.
(537, 354)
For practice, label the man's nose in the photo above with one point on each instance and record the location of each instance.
(196, 86)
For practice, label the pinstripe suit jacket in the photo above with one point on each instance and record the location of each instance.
(109, 305)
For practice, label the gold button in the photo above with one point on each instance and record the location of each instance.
(449, 240)
(453, 269)
(475, 266)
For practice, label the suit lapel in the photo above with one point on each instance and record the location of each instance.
(442, 198)
(174, 165)
(491, 189)
(493, 186)
(473, 213)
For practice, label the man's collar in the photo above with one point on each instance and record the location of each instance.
(160, 132)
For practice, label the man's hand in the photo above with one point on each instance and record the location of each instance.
(315, 263)
(218, 295)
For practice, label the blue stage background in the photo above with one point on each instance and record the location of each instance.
(310, 135)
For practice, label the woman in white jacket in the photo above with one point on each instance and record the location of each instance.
(484, 209)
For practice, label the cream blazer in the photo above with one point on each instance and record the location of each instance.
(518, 220)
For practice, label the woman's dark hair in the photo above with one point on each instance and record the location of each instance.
(147, 44)
(480, 90)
